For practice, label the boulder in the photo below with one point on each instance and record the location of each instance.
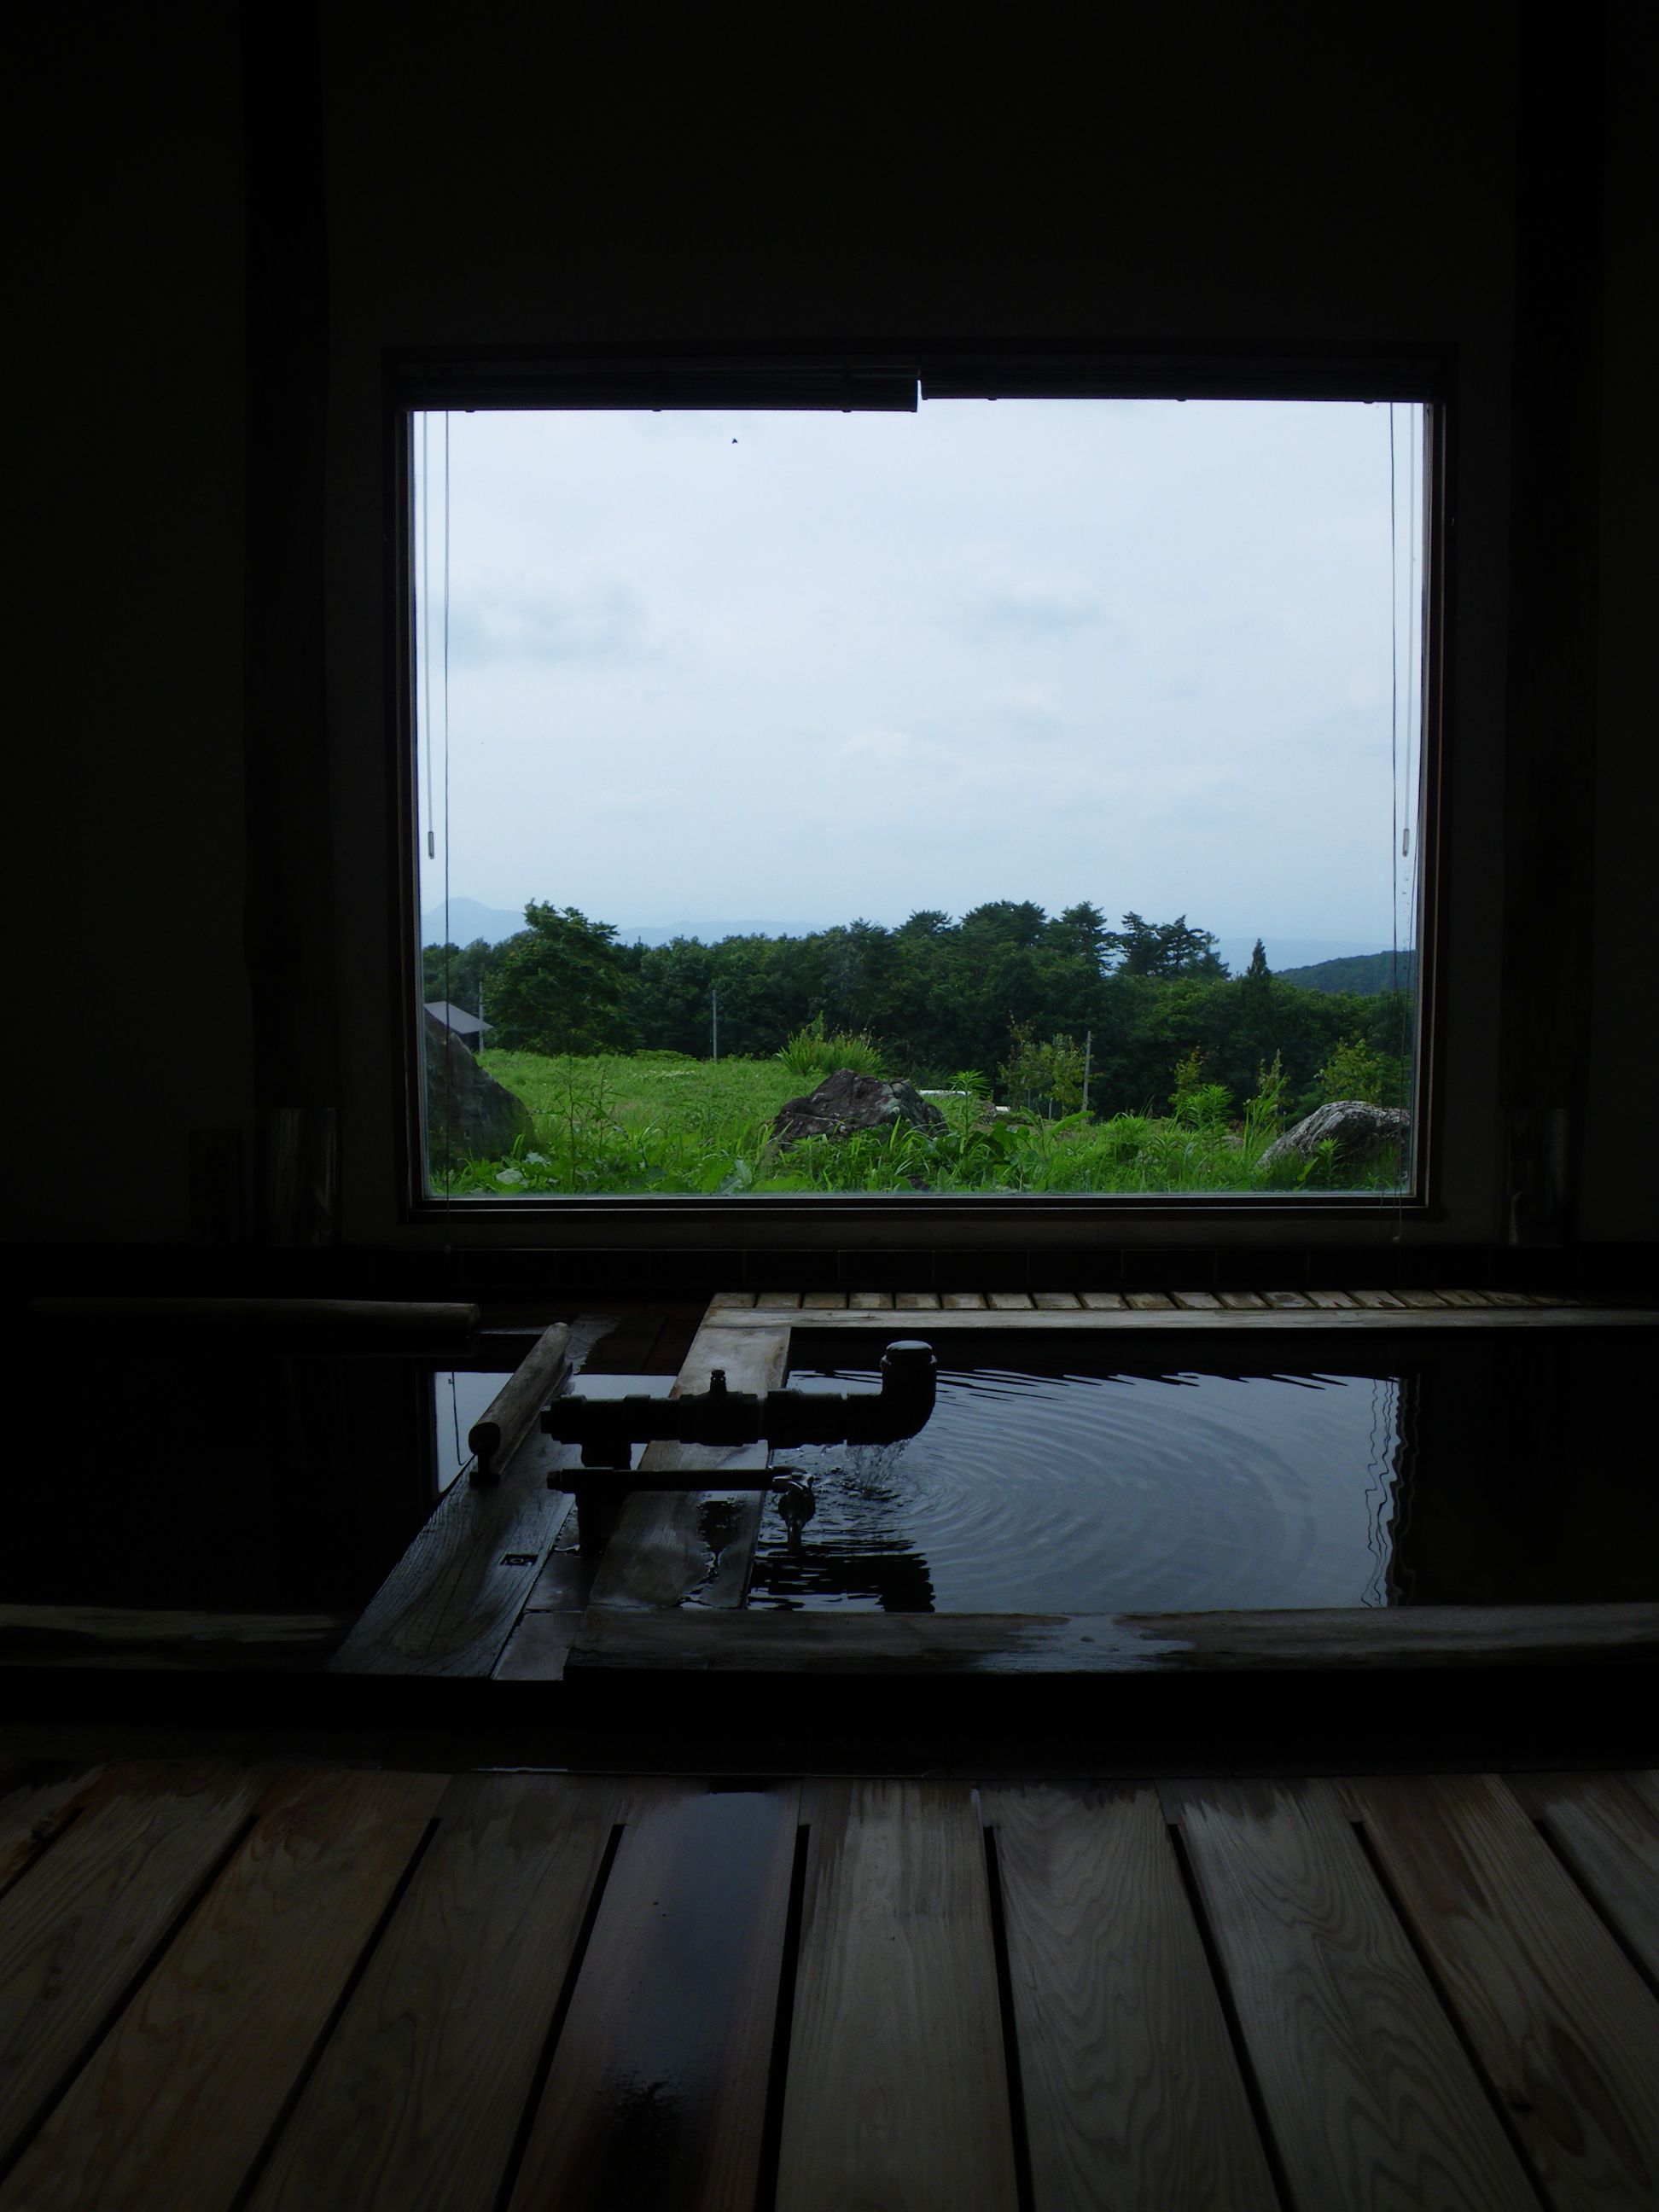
(844, 1104)
(1361, 1133)
(469, 1115)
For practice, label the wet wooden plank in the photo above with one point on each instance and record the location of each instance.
(1369, 2098)
(659, 1555)
(78, 1929)
(1284, 1301)
(1464, 1298)
(417, 2100)
(176, 2102)
(777, 1302)
(1056, 1301)
(1133, 2094)
(1421, 1300)
(1197, 1301)
(1149, 1301)
(1383, 1301)
(129, 1637)
(824, 1302)
(1330, 1300)
(826, 1642)
(962, 1301)
(1102, 1301)
(1242, 1301)
(1609, 1837)
(916, 1302)
(1561, 2023)
(871, 1301)
(739, 1300)
(658, 2091)
(1254, 1314)
(447, 1608)
(897, 2091)
(46, 1795)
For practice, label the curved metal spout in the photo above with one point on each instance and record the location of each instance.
(605, 1427)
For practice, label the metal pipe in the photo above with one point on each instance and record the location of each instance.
(606, 1428)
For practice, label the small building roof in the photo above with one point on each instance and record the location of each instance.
(456, 1018)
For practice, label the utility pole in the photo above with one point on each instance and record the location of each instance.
(714, 1021)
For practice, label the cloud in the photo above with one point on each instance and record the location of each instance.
(1035, 608)
(528, 620)
(1033, 704)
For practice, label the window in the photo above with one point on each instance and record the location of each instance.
(1043, 770)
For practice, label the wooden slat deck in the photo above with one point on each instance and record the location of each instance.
(224, 1987)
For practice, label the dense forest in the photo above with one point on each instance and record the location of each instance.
(1008, 997)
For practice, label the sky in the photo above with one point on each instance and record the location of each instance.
(803, 668)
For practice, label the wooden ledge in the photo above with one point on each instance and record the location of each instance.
(836, 1641)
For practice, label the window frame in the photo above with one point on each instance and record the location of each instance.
(854, 377)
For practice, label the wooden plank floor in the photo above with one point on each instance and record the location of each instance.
(224, 1987)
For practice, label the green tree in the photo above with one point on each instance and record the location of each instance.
(559, 986)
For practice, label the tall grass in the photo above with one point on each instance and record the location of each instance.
(645, 1122)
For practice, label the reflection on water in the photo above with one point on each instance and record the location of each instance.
(1113, 1493)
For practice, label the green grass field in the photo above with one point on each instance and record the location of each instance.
(644, 1122)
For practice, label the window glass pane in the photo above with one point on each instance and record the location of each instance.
(1044, 775)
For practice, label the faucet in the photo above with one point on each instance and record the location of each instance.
(607, 1429)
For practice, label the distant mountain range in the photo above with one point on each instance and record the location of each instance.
(1310, 960)
(1367, 973)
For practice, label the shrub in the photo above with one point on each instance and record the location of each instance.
(810, 1055)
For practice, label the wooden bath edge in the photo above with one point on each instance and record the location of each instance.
(689, 1640)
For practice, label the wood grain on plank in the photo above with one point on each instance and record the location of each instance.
(1242, 1301)
(1009, 1301)
(129, 1637)
(658, 2091)
(1339, 1636)
(870, 1301)
(1423, 1300)
(1610, 1839)
(916, 1301)
(1564, 2026)
(448, 1607)
(962, 1301)
(1384, 1301)
(1197, 1301)
(777, 1302)
(1056, 1301)
(175, 2104)
(417, 2099)
(1133, 2093)
(738, 1300)
(45, 1796)
(1284, 1301)
(660, 1554)
(897, 2093)
(1330, 1300)
(824, 1302)
(1372, 2104)
(78, 1929)
(1102, 1301)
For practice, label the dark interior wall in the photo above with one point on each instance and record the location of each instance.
(1242, 181)
(132, 1005)
(1620, 1173)
(1239, 185)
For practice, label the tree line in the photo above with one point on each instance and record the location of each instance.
(941, 997)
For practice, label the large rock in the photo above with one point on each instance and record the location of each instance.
(844, 1104)
(1362, 1133)
(469, 1115)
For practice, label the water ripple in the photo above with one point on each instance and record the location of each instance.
(1102, 1493)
